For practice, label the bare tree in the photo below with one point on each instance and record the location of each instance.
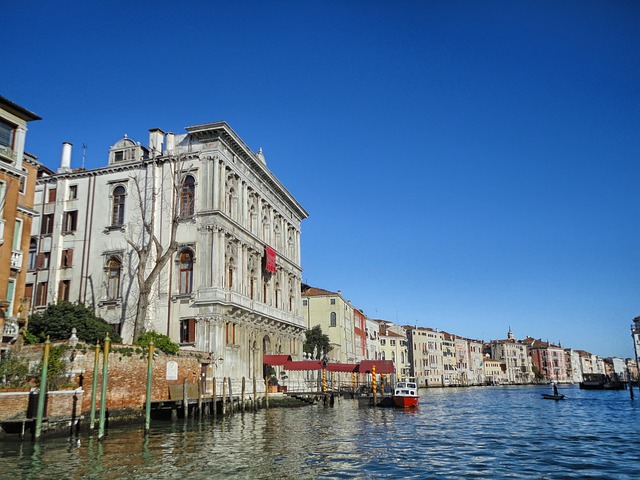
(154, 247)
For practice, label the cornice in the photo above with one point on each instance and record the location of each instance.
(222, 132)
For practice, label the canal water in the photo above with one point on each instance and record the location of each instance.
(487, 432)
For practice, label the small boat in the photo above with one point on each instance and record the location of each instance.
(548, 396)
(405, 395)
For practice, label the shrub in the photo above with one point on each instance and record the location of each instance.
(14, 371)
(162, 342)
(59, 319)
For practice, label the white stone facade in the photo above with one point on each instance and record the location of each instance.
(214, 294)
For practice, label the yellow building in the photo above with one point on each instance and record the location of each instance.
(335, 315)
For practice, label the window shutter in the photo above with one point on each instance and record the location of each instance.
(192, 330)
(40, 260)
(69, 257)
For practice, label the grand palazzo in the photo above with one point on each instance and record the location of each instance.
(202, 211)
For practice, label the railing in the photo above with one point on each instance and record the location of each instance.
(10, 329)
(8, 153)
(16, 260)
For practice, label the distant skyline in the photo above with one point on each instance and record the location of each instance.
(467, 166)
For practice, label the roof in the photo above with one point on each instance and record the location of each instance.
(389, 333)
(382, 366)
(17, 110)
(304, 365)
(318, 292)
(276, 360)
(342, 367)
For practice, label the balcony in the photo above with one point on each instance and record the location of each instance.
(16, 260)
(7, 154)
(10, 329)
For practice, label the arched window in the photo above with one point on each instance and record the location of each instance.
(117, 211)
(114, 269)
(186, 272)
(334, 321)
(187, 196)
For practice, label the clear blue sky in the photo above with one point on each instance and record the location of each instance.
(468, 166)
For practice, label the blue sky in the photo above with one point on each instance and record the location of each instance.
(468, 166)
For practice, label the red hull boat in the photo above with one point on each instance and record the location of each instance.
(405, 395)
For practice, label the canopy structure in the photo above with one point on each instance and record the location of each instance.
(304, 365)
(276, 360)
(383, 367)
(342, 367)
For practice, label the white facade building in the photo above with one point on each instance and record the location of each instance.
(231, 285)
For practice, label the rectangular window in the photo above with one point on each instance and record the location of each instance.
(63, 290)
(42, 260)
(28, 293)
(11, 290)
(23, 181)
(230, 333)
(52, 195)
(392, 343)
(304, 302)
(6, 135)
(73, 192)
(188, 330)
(70, 221)
(67, 258)
(41, 294)
(333, 301)
(47, 224)
(17, 235)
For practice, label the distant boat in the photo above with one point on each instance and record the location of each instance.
(548, 396)
(599, 381)
(405, 395)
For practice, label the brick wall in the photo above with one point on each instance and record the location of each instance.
(126, 380)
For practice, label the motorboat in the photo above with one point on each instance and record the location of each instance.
(405, 395)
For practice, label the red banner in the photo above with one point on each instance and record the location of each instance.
(270, 253)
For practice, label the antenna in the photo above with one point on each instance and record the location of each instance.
(84, 154)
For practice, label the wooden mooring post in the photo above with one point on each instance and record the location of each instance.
(214, 398)
(185, 398)
(255, 394)
(242, 395)
(224, 396)
(230, 397)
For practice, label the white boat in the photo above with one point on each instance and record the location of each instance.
(405, 395)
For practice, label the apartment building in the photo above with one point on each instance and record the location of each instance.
(549, 359)
(335, 315)
(515, 356)
(18, 173)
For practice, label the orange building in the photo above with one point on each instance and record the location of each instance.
(18, 172)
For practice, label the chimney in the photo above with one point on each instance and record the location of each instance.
(171, 143)
(65, 160)
(156, 139)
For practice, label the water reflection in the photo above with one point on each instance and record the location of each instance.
(456, 433)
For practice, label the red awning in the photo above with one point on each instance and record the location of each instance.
(342, 367)
(384, 367)
(276, 360)
(304, 365)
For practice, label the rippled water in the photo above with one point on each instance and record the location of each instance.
(491, 432)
